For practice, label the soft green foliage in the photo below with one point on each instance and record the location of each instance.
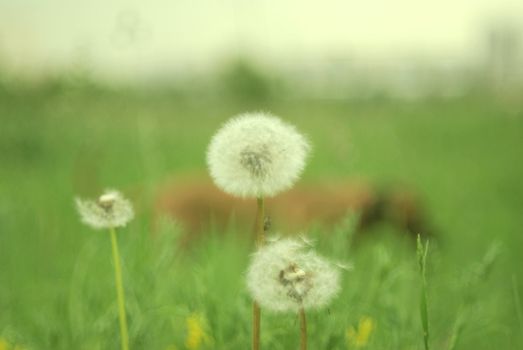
(56, 283)
(517, 304)
(471, 281)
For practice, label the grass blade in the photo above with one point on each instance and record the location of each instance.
(422, 251)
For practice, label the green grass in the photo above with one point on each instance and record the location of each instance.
(56, 285)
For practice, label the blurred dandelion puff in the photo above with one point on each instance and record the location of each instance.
(287, 276)
(110, 210)
(256, 155)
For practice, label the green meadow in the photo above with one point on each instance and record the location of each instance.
(462, 155)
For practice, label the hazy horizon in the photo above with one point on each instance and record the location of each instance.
(119, 39)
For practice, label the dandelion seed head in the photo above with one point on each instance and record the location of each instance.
(111, 209)
(256, 154)
(286, 275)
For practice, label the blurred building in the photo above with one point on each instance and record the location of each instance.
(504, 55)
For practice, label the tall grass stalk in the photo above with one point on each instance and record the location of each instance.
(517, 302)
(457, 328)
(472, 282)
(124, 335)
(422, 251)
(260, 240)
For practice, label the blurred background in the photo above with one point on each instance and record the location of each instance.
(126, 94)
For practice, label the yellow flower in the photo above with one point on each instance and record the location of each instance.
(359, 337)
(196, 335)
(4, 345)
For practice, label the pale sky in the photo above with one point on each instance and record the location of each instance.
(133, 38)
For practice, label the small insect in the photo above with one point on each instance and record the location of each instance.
(267, 223)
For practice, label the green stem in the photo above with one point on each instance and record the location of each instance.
(303, 330)
(255, 326)
(119, 292)
(260, 240)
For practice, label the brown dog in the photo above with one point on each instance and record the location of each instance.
(199, 206)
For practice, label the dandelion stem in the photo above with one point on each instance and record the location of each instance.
(303, 330)
(119, 292)
(260, 240)
(255, 326)
(260, 222)
(422, 259)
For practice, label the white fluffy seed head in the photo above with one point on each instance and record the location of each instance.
(111, 209)
(286, 275)
(256, 154)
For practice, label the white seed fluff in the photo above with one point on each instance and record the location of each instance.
(256, 154)
(110, 210)
(286, 276)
